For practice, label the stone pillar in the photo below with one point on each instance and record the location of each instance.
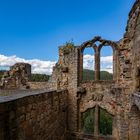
(97, 65)
(115, 64)
(78, 116)
(80, 76)
(96, 121)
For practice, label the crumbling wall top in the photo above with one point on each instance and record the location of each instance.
(17, 77)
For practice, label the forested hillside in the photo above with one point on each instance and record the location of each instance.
(89, 75)
(39, 78)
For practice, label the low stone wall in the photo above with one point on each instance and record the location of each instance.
(38, 115)
(82, 136)
(39, 85)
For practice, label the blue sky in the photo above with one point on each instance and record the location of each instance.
(35, 28)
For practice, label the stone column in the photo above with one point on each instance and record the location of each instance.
(80, 55)
(96, 121)
(97, 65)
(78, 116)
(115, 64)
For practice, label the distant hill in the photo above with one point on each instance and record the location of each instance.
(89, 75)
(34, 77)
(39, 78)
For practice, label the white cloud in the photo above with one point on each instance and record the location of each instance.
(106, 59)
(106, 63)
(38, 66)
(88, 62)
(45, 67)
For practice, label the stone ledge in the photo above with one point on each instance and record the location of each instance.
(82, 136)
(99, 81)
(22, 94)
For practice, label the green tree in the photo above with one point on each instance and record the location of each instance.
(39, 78)
(88, 121)
(90, 75)
(106, 120)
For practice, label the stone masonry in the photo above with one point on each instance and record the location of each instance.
(60, 116)
(17, 77)
(115, 96)
(39, 115)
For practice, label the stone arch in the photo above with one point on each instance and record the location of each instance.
(102, 105)
(114, 47)
(108, 43)
(97, 49)
(81, 51)
(105, 67)
(97, 120)
(90, 42)
(88, 46)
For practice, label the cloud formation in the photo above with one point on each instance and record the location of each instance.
(45, 67)
(38, 66)
(106, 63)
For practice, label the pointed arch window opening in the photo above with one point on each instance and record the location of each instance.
(106, 63)
(104, 67)
(97, 121)
(88, 64)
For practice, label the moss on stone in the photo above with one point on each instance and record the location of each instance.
(67, 47)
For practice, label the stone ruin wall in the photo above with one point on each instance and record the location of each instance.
(17, 77)
(65, 77)
(114, 96)
(38, 85)
(129, 49)
(135, 16)
(38, 116)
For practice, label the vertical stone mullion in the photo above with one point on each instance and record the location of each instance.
(114, 64)
(81, 66)
(97, 65)
(78, 116)
(96, 121)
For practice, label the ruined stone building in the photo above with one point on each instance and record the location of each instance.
(17, 77)
(56, 113)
